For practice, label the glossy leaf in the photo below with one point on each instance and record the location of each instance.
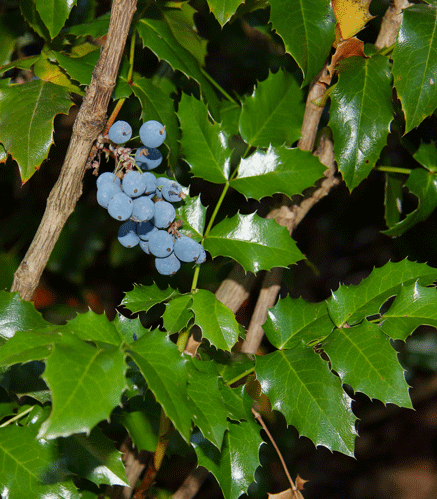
(223, 9)
(32, 468)
(27, 346)
(209, 410)
(142, 298)
(17, 315)
(415, 63)
(93, 327)
(393, 199)
(54, 13)
(36, 103)
(94, 457)
(79, 68)
(47, 70)
(364, 359)
(166, 376)
(423, 184)
(277, 170)
(361, 113)
(234, 467)
(216, 320)
(426, 155)
(414, 306)
(129, 329)
(292, 321)
(273, 114)
(353, 303)
(300, 385)
(177, 314)
(254, 242)
(307, 29)
(193, 214)
(79, 376)
(204, 143)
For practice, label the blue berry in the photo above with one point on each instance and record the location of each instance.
(106, 192)
(187, 249)
(150, 183)
(164, 214)
(134, 184)
(106, 178)
(168, 265)
(144, 245)
(120, 132)
(172, 191)
(143, 209)
(161, 243)
(127, 234)
(160, 182)
(151, 158)
(202, 257)
(120, 206)
(152, 133)
(145, 229)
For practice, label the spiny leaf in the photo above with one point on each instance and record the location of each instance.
(193, 214)
(54, 13)
(254, 242)
(142, 298)
(177, 313)
(300, 385)
(365, 360)
(93, 327)
(223, 9)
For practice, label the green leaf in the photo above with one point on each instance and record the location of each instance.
(86, 384)
(17, 315)
(32, 468)
(254, 242)
(235, 465)
(11, 26)
(193, 214)
(273, 114)
(277, 170)
(392, 199)
(300, 385)
(29, 12)
(426, 155)
(157, 105)
(423, 184)
(142, 298)
(177, 314)
(415, 63)
(209, 410)
(363, 358)
(37, 103)
(223, 9)
(307, 29)
(170, 34)
(26, 346)
(361, 113)
(164, 370)
(93, 327)
(204, 143)
(129, 329)
(94, 457)
(97, 28)
(24, 380)
(414, 306)
(79, 68)
(216, 320)
(54, 13)
(353, 303)
(47, 69)
(293, 321)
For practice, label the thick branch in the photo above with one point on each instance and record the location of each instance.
(89, 123)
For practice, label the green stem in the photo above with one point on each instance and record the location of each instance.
(393, 169)
(16, 418)
(216, 209)
(240, 376)
(218, 87)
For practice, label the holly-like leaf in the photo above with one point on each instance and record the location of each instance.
(415, 63)
(353, 303)
(414, 306)
(223, 9)
(32, 468)
(209, 410)
(204, 143)
(94, 457)
(79, 68)
(96, 28)
(351, 15)
(142, 298)
(27, 346)
(364, 359)
(277, 170)
(423, 184)
(166, 375)
(361, 113)
(193, 214)
(307, 29)
(235, 465)
(293, 321)
(254, 242)
(273, 113)
(93, 327)
(54, 13)
(177, 314)
(17, 315)
(426, 155)
(86, 384)
(36, 103)
(129, 329)
(392, 199)
(49, 71)
(216, 320)
(157, 105)
(300, 385)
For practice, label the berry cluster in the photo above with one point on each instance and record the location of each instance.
(143, 201)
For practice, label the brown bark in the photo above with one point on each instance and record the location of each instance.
(88, 124)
